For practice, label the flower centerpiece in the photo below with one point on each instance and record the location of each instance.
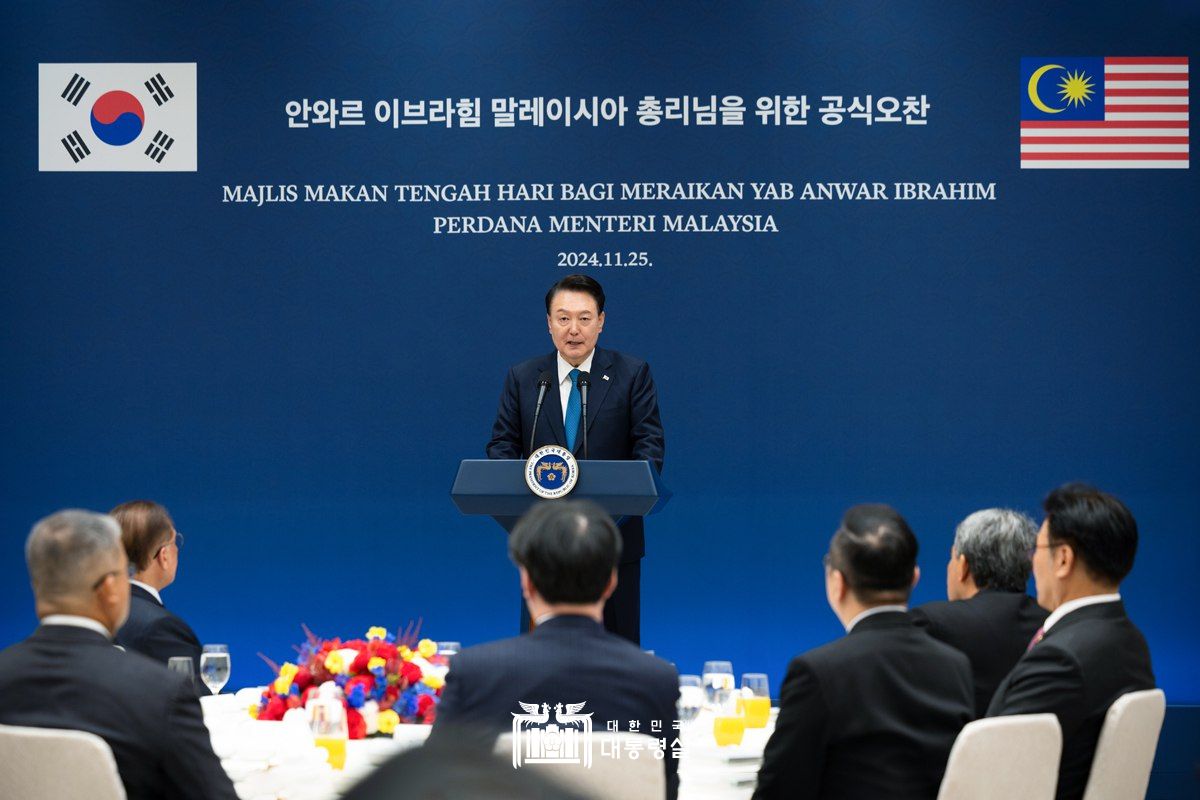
(386, 680)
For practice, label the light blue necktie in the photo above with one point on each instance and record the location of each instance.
(571, 421)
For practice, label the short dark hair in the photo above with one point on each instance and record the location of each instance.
(569, 548)
(578, 283)
(1098, 526)
(145, 529)
(876, 551)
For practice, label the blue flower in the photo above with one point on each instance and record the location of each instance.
(357, 696)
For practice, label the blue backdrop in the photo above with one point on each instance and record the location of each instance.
(297, 382)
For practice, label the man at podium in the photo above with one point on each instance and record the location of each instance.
(623, 422)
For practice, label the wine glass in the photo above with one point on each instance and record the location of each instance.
(718, 682)
(445, 651)
(184, 666)
(691, 698)
(214, 667)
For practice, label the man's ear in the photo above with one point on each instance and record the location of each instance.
(611, 587)
(964, 569)
(1065, 560)
(916, 576)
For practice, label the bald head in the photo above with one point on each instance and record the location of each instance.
(78, 566)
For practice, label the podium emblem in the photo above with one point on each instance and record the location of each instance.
(551, 472)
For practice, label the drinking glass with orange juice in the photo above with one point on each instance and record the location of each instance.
(754, 703)
(728, 729)
(327, 720)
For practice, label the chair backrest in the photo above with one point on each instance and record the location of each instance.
(1125, 750)
(52, 764)
(622, 765)
(1001, 758)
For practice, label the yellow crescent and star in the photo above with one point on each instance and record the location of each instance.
(1076, 88)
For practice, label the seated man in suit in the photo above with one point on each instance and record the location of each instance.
(567, 554)
(988, 617)
(1088, 652)
(69, 675)
(153, 545)
(873, 714)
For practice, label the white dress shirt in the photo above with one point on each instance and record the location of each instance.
(564, 378)
(870, 612)
(1076, 604)
(77, 622)
(153, 592)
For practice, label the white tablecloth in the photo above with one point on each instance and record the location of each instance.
(278, 760)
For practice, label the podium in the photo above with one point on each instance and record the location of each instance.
(496, 488)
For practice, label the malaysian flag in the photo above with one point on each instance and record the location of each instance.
(1104, 113)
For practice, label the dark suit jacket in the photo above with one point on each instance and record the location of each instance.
(992, 629)
(1086, 661)
(567, 659)
(154, 631)
(68, 677)
(871, 715)
(623, 420)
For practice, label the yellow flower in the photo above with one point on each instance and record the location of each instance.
(388, 720)
(287, 674)
(405, 653)
(335, 663)
(426, 647)
(254, 711)
(377, 633)
(376, 662)
(434, 682)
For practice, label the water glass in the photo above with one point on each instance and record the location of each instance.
(184, 666)
(445, 651)
(214, 667)
(691, 698)
(718, 683)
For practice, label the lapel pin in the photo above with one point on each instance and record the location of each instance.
(605, 377)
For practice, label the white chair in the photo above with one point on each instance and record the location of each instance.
(52, 764)
(608, 777)
(1125, 750)
(1001, 758)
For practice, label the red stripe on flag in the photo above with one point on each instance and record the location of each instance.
(1140, 109)
(1104, 156)
(1145, 92)
(1145, 76)
(1101, 124)
(1146, 60)
(1104, 140)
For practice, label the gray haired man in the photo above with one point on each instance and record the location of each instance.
(68, 674)
(989, 616)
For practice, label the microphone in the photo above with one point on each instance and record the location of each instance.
(585, 383)
(543, 382)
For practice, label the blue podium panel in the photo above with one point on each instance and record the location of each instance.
(496, 488)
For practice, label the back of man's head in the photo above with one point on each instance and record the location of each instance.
(68, 554)
(145, 529)
(1097, 526)
(876, 552)
(569, 548)
(996, 542)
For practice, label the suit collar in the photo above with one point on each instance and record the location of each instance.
(1111, 610)
(69, 634)
(567, 622)
(891, 618)
(139, 589)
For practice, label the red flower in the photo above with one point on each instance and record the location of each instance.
(424, 703)
(355, 724)
(410, 673)
(274, 710)
(383, 649)
(303, 678)
(359, 664)
(293, 701)
(367, 682)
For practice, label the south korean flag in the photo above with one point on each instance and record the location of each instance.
(117, 117)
